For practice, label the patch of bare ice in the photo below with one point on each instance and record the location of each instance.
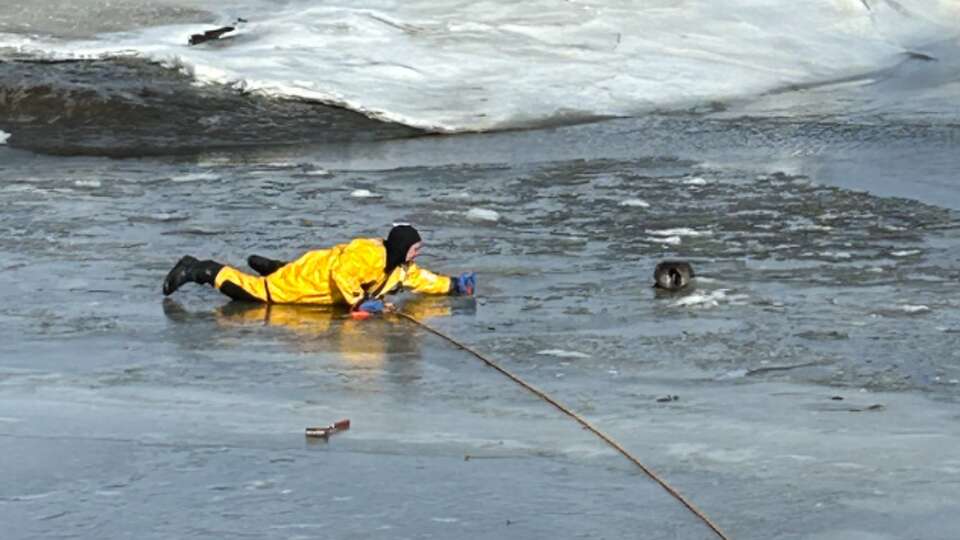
(483, 214)
(561, 353)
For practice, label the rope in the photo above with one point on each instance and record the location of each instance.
(583, 422)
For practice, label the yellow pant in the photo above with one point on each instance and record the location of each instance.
(251, 287)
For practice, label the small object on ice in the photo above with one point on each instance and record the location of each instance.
(324, 432)
(906, 253)
(196, 39)
(563, 353)
(665, 399)
(482, 214)
(702, 300)
(837, 398)
(677, 231)
(914, 55)
(194, 177)
(768, 369)
(669, 240)
(874, 407)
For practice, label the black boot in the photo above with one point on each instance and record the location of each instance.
(263, 265)
(190, 269)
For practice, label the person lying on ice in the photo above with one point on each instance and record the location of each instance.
(358, 274)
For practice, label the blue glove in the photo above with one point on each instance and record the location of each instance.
(372, 305)
(465, 284)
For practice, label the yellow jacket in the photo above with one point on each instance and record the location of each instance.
(344, 274)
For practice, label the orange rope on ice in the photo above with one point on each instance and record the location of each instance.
(565, 410)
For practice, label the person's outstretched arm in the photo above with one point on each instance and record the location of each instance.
(421, 280)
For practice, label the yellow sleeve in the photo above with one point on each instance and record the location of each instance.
(348, 274)
(424, 281)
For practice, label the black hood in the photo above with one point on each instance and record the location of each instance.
(398, 243)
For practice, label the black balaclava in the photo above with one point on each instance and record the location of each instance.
(398, 243)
